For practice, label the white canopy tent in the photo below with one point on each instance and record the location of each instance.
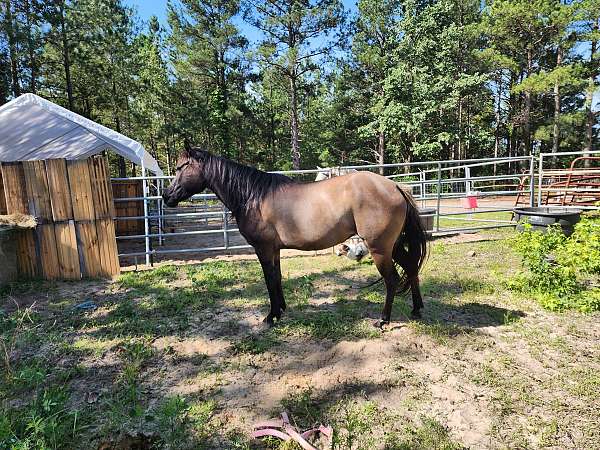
(32, 128)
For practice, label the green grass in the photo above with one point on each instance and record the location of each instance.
(256, 344)
(45, 422)
(430, 435)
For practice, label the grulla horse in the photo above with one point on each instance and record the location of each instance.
(274, 212)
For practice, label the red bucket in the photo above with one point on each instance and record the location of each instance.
(470, 201)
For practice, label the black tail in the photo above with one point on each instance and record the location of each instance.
(410, 250)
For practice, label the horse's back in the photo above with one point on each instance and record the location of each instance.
(322, 214)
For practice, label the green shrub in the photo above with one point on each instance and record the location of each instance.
(561, 270)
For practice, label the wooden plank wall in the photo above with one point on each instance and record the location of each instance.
(133, 208)
(38, 193)
(2, 199)
(72, 201)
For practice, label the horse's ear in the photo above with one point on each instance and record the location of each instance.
(193, 152)
(187, 146)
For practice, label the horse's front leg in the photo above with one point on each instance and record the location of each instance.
(278, 282)
(269, 260)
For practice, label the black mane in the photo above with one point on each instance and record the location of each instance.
(243, 187)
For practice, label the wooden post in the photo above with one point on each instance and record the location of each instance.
(15, 195)
(2, 199)
(36, 186)
(84, 215)
(104, 215)
(62, 215)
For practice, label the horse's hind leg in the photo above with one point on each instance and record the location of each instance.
(416, 297)
(409, 265)
(386, 267)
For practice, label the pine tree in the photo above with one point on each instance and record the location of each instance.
(296, 34)
(150, 106)
(435, 102)
(374, 42)
(521, 33)
(206, 55)
(589, 17)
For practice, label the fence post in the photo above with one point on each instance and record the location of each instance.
(439, 196)
(225, 228)
(422, 178)
(146, 221)
(540, 175)
(532, 181)
(467, 180)
(161, 211)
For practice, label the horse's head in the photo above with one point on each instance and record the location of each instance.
(189, 177)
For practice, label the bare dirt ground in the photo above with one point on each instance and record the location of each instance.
(178, 357)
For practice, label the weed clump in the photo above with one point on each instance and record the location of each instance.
(562, 272)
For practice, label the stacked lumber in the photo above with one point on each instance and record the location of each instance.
(73, 206)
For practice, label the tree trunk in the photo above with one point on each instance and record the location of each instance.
(66, 57)
(31, 49)
(120, 159)
(589, 99)
(459, 144)
(527, 111)
(12, 48)
(295, 135)
(511, 134)
(556, 126)
(497, 112)
(168, 152)
(381, 152)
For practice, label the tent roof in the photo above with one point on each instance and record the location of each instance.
(34, 128)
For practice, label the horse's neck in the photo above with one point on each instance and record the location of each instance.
(224, 193)
(216, 184)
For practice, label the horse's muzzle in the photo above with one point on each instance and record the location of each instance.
(169, 199)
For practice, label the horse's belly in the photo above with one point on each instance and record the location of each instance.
(315, 232)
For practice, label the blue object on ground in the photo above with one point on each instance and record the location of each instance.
(86, 305)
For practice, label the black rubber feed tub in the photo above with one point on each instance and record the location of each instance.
(541, 217)
(428, 218)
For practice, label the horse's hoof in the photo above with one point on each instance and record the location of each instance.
(415, 314)
(269, 320)
(381, 323)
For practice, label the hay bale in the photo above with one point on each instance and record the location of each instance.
(18, 220)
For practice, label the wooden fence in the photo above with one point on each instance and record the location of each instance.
(72, 202)
(131, 208)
